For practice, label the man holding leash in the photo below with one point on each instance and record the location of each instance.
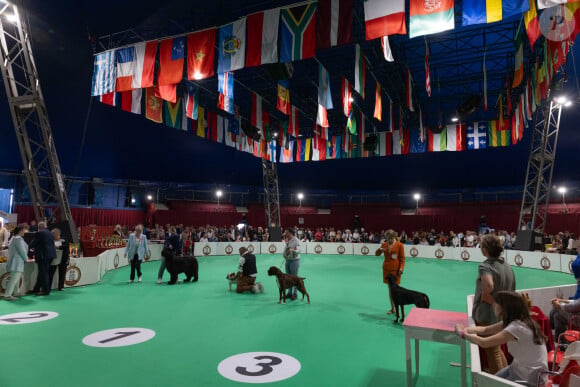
(249, 272)
(292, 257)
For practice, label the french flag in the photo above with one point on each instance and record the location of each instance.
(262, 39)
(135, 66)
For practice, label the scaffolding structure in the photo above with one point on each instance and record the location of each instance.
(30, 119)
(271, 194)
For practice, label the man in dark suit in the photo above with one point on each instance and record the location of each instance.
(44, 253)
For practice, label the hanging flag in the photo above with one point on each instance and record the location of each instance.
(201, 123)
(427, 75)
(528, 104)
(485, 84)
(430, 17)
(322, 148)
(477, 135)
(409, 91)
(455, 137)
(362, 128)
(384, 18)
(111, 99)
(508, 98)
(171, 57)
(131, 101)
(520, 121)
(359, 71)
(221, 128)
(315, 150)
(172, 114)
(346, 97)
(266, 133)
(367, 140)
(200, 54)
(337, 147)
(212, 127)
(330, 150)
(519, 60)
(497, 137)
(104, 73)
(324, 94)
(401, 142)
(231, 46)
(417, 145)
(558, 52)
(532, 24)
(191, 100)
(478, 11)
(308, 150)
(351, 122)
(438, 141)
(283, 98)
(297, 32)
(385, 144)
(226, 92)
(378, 103)
(391, 117)
(333, 23)
(500, 112)
(322, 117)
(300, 150)
(153, 106)
(262, 45)
(135, 66)
(550, 3)
(167, 92)
(574, 10)
(286, 154)
(421, 128)
(387, 53)
(257, 116)
(293, 123)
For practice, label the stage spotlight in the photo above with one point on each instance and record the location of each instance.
(219, 193)
(149, 197)
(416, 196)
(561, 99)
(300, 196)
(454, 119)
(562, 190)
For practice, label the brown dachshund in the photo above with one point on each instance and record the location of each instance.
(286, 281)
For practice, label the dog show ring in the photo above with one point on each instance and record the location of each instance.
(433, 325)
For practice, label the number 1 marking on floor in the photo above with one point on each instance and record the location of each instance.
(118, 337)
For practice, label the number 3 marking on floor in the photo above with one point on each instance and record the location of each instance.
(118, 337)
(259, 367)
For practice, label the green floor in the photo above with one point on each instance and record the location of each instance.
(344, 338)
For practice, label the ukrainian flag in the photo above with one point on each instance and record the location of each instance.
(489, 11)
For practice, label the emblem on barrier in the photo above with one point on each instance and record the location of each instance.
(4, 282)
(251, 249)
(73, 275)
(519, 260)
(207, 250)
(272, 249)
(439, 254)
(340, 249)
(364, 250)
(148, 256)
(414, 252)
(116, 260)
(229, 249)
(545, 263)
(465, 255)
(318, 249)
(570, 265)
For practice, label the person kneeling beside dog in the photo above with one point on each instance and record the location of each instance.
(249, 272)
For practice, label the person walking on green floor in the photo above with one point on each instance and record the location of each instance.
(136, 251)
(292, 256)
(17, 256)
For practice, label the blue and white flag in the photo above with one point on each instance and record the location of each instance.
(324, 94)
(104, 73)
(477, 135)
(232, 46)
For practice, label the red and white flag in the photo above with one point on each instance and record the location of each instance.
(322, 117)
(455, 137)
(384, 17)
(256, 119)
(131, 101)
(427, 75)
(387, 53)
(333, 22)
(346, 97)
(262, 38)
(293, 123)
(391, 117)
(135, 66)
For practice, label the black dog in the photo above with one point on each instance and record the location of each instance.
(178, 264)
(402, 297)
(286, 281)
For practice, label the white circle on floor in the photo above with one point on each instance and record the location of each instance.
(118, 337)
(259, 367)
(26, 317)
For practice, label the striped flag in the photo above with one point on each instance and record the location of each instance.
(324, 93)
(346, 97)
(378, 103)
(232, 46)
(496, 136)
(532, 24)
(104, 73)
(135, 66)
(191, 101)
(322, 117)
(333, 23)
(421, 127)
(478, 12)
(262, 41)
(256, 118)
(111, 99)
(384, 18)
(519, 61)
(293, 124)
(387, 53)
(401, 142)
(455, 137)
(427, 75)
(409, 93)
(438, 141)
(391, 117)
(131, 101)
(430, 17)
(385, 144)
(359, 71)
(286, 154)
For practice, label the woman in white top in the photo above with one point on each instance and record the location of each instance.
(17, 256)
(524, 338)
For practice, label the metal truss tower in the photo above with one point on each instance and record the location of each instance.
(536, 196)
(271, 194)
(30, 118)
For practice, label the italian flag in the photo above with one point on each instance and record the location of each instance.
(438, 141)
(430, 17)
(455, 137)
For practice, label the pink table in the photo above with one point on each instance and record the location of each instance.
(433, 325)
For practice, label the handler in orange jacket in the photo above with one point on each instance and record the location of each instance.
(394, 262)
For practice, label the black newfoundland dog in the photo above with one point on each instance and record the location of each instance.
(180, 264)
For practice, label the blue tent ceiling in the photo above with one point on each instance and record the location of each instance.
(123, 145)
